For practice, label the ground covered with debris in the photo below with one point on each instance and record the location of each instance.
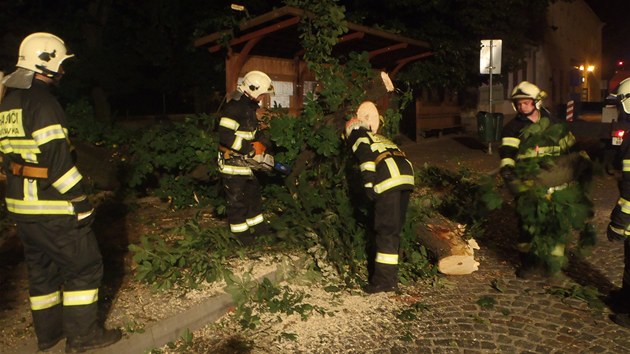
(489, 310)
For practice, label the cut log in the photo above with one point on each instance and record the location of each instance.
(443, 238)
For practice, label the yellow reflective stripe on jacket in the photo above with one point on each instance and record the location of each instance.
(542, 151)
(19, 146)
(393, 182)
(511, 141)
(381, 143)
(49, 133)
(68, 180)
(80, 297)
(625, 205)
(558, 250)
(236, 170)
(255, 220)
(47, 301)
(237, 144)
(396, 179)
(229, 123)
(368, 166)
(626, 166)
(566, 142)
(507, 162)
(239, 227)
(33, 207)
(361, 140)
(29, 189)
(386, 258)
(246, 135)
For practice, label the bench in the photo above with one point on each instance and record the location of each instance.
(432, 120)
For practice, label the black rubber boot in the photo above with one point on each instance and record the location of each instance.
(384, 279)
(622, 319)
(97, 339)
(618, 301)
(48, 344)
(530, 267)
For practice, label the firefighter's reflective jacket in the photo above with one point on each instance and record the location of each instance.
(41, 174)
(515, 147)
(621, 213)
(383, 166)
(238, 128)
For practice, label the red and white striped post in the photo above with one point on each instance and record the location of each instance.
(570, 105)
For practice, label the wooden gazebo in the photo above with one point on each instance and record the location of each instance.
(271, 43)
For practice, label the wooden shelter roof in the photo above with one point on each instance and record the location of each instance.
(275, 34)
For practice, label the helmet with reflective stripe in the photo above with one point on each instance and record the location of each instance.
(42, 53)
(256, 83)
(527, 90)
(623, 94)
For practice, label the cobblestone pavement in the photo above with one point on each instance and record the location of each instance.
(526, 317)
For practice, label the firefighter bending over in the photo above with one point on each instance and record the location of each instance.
(240, 139)
(388, 181)
(46, 197)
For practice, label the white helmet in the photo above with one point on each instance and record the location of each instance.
(526, 89)
(256, 83)
(42, 53)
(623, 94)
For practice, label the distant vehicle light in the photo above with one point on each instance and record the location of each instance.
(619, 133)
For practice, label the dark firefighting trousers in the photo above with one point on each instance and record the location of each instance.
(244, 203)
(626, 269)
(62, 256)
(390, 209)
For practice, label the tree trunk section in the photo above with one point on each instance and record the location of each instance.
(443, 238)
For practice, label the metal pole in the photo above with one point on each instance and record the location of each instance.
(490, 95)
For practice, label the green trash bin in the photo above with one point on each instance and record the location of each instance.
(489, 126)
(498, 125)
(485, 127)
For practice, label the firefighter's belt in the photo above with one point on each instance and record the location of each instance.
(387, 154)
(228, 153)
(28, 171)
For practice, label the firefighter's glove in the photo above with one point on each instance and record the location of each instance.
(615, 232)
(354, 124)
(257, 149)
(83, 209)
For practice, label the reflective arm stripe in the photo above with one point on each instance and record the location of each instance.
(68, 180)
(625, 205)
(386, 258)
(236, 170)
(33, 207)
(507, 162)
(511, 141)
(369, 185)
(229, 123)
(49, 133)
(626, 166)
(81, 297)
(237, 144)
(566, 142)
(47, 301)
(247, 135)
(368, 166)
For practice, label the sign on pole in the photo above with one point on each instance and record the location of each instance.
(489, 63)
(490, 56)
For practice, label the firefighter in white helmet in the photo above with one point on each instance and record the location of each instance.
(388, 181)
(619, 226)
(239, 138)
(46, 196)
(533, 145)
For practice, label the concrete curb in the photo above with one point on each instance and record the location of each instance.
(165, 331)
